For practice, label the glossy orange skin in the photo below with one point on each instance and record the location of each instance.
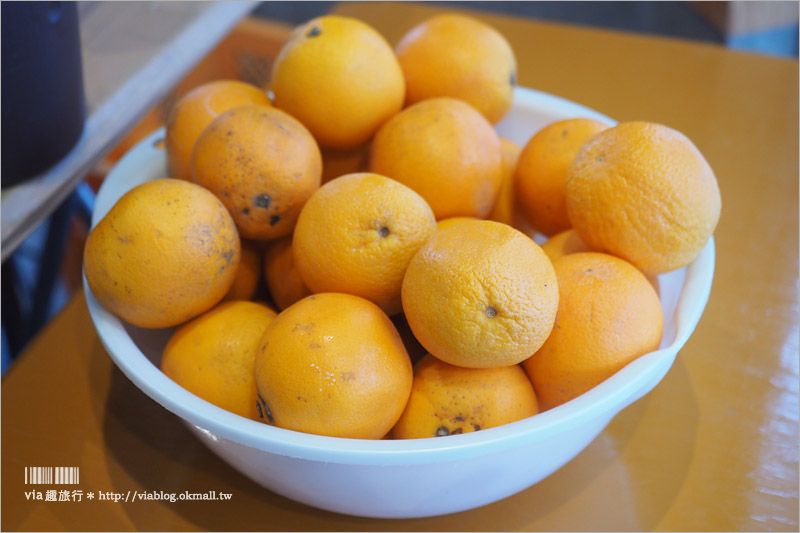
(340, 78)
(333, 364)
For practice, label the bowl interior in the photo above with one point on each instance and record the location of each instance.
(137, 351)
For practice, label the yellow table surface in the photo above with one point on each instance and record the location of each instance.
(713, 447)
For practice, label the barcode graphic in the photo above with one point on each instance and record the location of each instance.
(52, 475)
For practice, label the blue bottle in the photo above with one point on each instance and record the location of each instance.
(43, 103)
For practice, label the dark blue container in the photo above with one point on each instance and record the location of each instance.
(43, 104)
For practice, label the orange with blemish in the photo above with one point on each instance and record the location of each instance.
(166, 252)
(195, 111)
(449, 400)
(333, 364)
(262, 164)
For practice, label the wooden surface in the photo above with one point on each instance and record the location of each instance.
(133, 53)
(714, 447)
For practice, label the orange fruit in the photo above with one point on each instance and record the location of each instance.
(340, 78)
(541, 172)
(480, 294)
(564, 243)
(167, 251)
(505, 205)
(213, 356)
(263, 164)
(568, 242)
(333, 364)
(283, 280)
(197, 109)
(452, 221)
(608, 315)
(357, 234)
(644, 192)
(461, 57)
(248, 275)
(447, 152)
(449, 400)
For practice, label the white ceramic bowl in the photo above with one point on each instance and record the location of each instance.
(410, 478)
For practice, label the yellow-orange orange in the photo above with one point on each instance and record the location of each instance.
(446, 151)
(480, 294)
(357, 234)
(564, 243)
(195, 110)
(167, 251)
(262, 164)
(333, 364)
(541, 172)
(340, 78)
(505, 205)
(449, 400)
(461, 57)
(283, 280)
(644, 192)
(452, 221)
(608, 315)
(213, 356)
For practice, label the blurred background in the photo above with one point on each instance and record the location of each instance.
(41, 276)
(764, 27)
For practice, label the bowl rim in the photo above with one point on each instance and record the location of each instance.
(603, 401)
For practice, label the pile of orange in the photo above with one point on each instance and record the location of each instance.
(348, 252)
